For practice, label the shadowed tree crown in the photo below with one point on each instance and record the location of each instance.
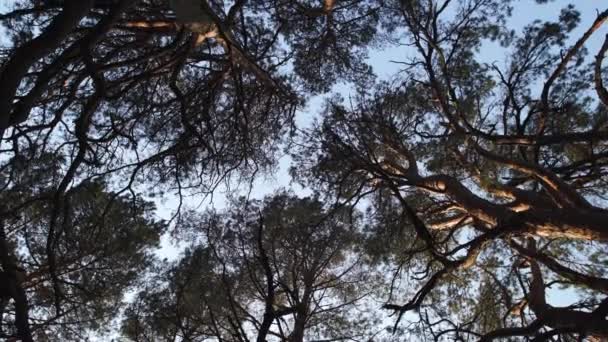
(461, 195)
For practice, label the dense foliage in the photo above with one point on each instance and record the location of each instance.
(453, 201)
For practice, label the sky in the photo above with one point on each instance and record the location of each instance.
(384, 66)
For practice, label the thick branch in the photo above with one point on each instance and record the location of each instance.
(596, 283)
(512, 331)
(587, 323)
(559, 190)
(602, 93)
(546, 139)
(269, 314)
(26, 55)
(15, 289)
(451, 222)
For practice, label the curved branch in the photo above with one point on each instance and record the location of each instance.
(544, 97)
(588, 323)
(26, 55)
(559, 190)
(22, 108)
(602, 93)
(596, 283)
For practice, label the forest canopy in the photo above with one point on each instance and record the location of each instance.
(460, 198)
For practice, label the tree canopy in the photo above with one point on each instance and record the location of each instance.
(458, 199)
